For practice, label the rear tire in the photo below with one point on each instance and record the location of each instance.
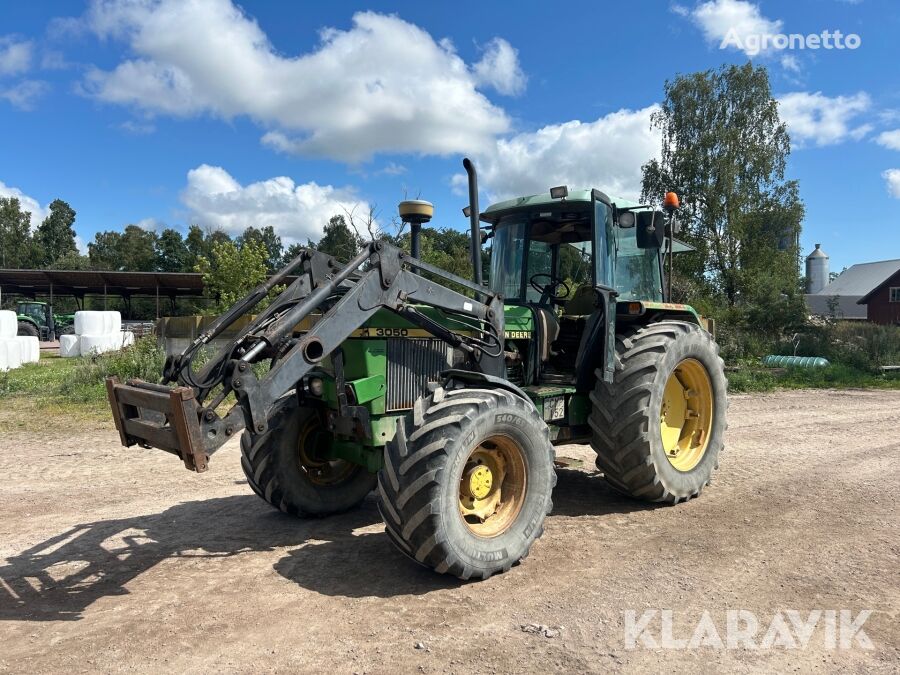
(281, 469)
(467, 481)
(660, 367)
(28, 329)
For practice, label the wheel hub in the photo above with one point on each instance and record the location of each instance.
(492, 486)
(320, 470)
(685, 416)
(480, 480)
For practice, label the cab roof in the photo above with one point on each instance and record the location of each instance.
(579, 195)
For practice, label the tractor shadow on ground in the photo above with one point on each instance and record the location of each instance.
(366, 564)
(59, 578)
(580, 493)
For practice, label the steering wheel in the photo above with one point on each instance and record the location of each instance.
(550, 290)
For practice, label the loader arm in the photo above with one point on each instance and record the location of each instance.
(183, 419)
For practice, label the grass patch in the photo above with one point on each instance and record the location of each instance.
(754, 378)
(57, 390)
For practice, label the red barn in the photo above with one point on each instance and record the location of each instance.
(883, 301)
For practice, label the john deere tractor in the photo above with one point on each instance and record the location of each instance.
(37, 319)
(446, 395)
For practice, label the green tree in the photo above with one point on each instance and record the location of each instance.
(137, 249)
(16, 245)
(196, 244)
(172, 254)
(232, 271)
(338, 239)
(72, 260)
(291, 252)
(269, 240)
(105, 251)
(55, 237)
(724, 150)
(132, 250)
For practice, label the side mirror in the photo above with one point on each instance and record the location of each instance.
(626, 219)
(651, 229)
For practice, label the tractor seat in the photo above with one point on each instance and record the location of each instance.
(548, 329)
(583, 302)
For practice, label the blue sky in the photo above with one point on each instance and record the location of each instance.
(166, 113)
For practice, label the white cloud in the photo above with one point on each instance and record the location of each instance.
(734, 20)
(790, 62)
(391, 169)
(24, 94)
(499, 68)
(137, 128)
(384, 85)
(15, 55)
(816, 119)
(296, 212)
(151, 224)
(889, 139)
(80, 245)
(892, 179)
(606, 154)
(30, 204)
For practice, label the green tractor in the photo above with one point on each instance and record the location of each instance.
(446, 395)
(37, 319)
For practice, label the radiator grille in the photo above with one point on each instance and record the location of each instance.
(412, 364)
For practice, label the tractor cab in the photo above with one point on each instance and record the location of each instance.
(562, 262)
(35, 318)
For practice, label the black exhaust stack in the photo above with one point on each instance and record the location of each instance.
(474, 219)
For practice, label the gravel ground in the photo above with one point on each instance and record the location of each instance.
(120, 560)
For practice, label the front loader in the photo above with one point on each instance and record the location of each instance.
(447, 395)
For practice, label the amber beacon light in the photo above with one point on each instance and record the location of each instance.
(670, 201)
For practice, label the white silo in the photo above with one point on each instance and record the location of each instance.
(816, 270)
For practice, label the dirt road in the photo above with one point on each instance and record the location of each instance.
(115, 560)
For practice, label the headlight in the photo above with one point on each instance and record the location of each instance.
(316, 386)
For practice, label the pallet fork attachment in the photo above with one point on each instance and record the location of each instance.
(153, 415)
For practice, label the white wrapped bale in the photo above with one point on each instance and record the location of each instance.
(96, 344)
(9, 324)
(91, 323)
(112, 322)
(10, 354)
(30, 348)
(121, 339)
(69, 346)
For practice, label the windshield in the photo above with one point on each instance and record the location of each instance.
(549, 245)
(34, 311)
(506, 259)
(637, 269)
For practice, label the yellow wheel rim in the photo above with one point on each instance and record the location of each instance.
(492, 486)
(685, 417)
(319, 470)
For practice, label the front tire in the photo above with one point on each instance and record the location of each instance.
(659, 427)
(467, 481)
(28, 329)
(282, 467)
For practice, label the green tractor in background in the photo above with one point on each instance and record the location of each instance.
(37, 319)
(380, 374)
